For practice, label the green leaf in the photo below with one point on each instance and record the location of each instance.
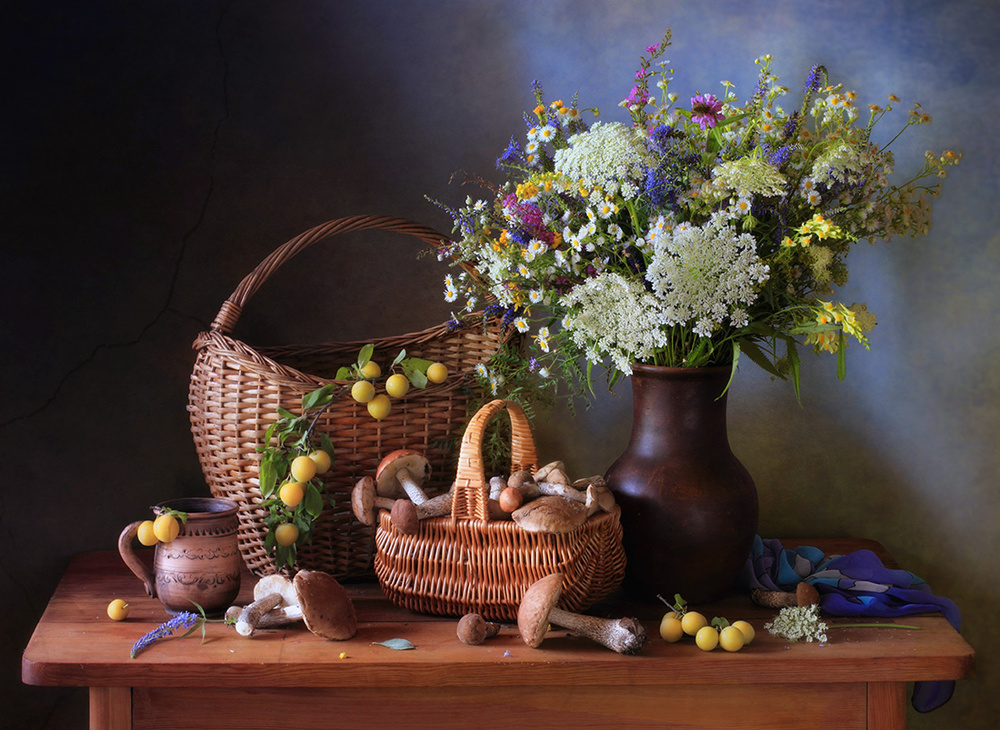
(399, 358)
(313, 501)
(319, 397)
(284, 413)
(365, 355)
(758, 358)
(327, 445)
(417, 363)
(268, 475)
(344, 374)
(417, 379)
(395, 644)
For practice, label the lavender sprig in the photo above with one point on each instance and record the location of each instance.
(184, 620)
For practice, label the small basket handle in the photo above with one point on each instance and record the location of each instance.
(470, 500)
(225, 321)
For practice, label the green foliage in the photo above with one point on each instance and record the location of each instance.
(288, 437)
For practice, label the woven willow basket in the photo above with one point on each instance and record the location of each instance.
(236, 389)
(466, 563)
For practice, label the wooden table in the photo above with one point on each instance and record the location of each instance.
(289, 678)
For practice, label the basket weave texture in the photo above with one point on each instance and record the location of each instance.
(466, 563)
(236, 389)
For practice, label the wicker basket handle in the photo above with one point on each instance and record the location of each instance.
(232, 308)
(470, 499)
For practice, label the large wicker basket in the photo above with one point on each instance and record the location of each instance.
(236, 389)
(466, 563)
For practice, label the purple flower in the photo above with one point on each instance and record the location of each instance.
(706, 110)
(512, 153)
(183, 620)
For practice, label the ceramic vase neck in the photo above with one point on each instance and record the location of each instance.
(678, 409)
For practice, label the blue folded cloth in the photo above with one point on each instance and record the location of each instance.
(856, 584)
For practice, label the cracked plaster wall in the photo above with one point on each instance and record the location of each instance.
(155, 152)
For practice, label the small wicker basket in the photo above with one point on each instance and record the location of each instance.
(466, 563)
(236, 389)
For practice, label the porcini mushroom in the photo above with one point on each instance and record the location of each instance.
(366, 499)
(326, 608)
(473, 629)
(271, 593)
(804, 594)
(538, 609)
(555, 515)
(406, 469)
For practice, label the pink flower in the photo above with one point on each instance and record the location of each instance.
(706, 110)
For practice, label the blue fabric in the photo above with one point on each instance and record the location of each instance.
(856, 584)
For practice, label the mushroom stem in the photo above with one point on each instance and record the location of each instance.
(623, 635)
(803, 595)
(252, 613)
(556, 489)
(412, 489)
(274, 617)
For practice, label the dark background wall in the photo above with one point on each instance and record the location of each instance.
(154, 152)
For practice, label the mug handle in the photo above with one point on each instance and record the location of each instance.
(137, 566)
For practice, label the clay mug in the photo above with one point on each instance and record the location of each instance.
(201, 565)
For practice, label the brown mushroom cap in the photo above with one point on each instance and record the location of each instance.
(363, 501)
(405, 517)
(556, 515)
(326, 607)
(472, 629)
(806, 594)
(536, 605)
(413, 461)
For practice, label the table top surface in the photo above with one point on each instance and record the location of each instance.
(76, 644)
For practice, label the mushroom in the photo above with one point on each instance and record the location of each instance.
(803, 595)
(550, 514)
(554, 472)
(596, 481)
(271, 593)
(497, 485)
(558, 489)
(366, 498)
(538, 609)
(312, 596)
(326, 608)
(518, 492)
(406, 469)
(406, 516)
(599, 498)
(473, 629)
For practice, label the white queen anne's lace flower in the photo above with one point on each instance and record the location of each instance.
(704, 276)
(611, 156)
(616, 318)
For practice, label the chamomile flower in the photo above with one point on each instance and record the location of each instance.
(542, 338)
(521, 324)
(814, 198)
(546, 133)
(535, 296)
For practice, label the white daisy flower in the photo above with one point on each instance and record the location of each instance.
(521, 324)
(535, 296)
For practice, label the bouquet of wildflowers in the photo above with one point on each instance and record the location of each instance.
(693, 234)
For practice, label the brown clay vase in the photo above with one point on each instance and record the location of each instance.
(689, 507)
(201, 565)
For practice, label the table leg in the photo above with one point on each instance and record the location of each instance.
(886, 705)
(110, 708)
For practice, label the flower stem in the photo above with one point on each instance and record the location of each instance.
(874, 626)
